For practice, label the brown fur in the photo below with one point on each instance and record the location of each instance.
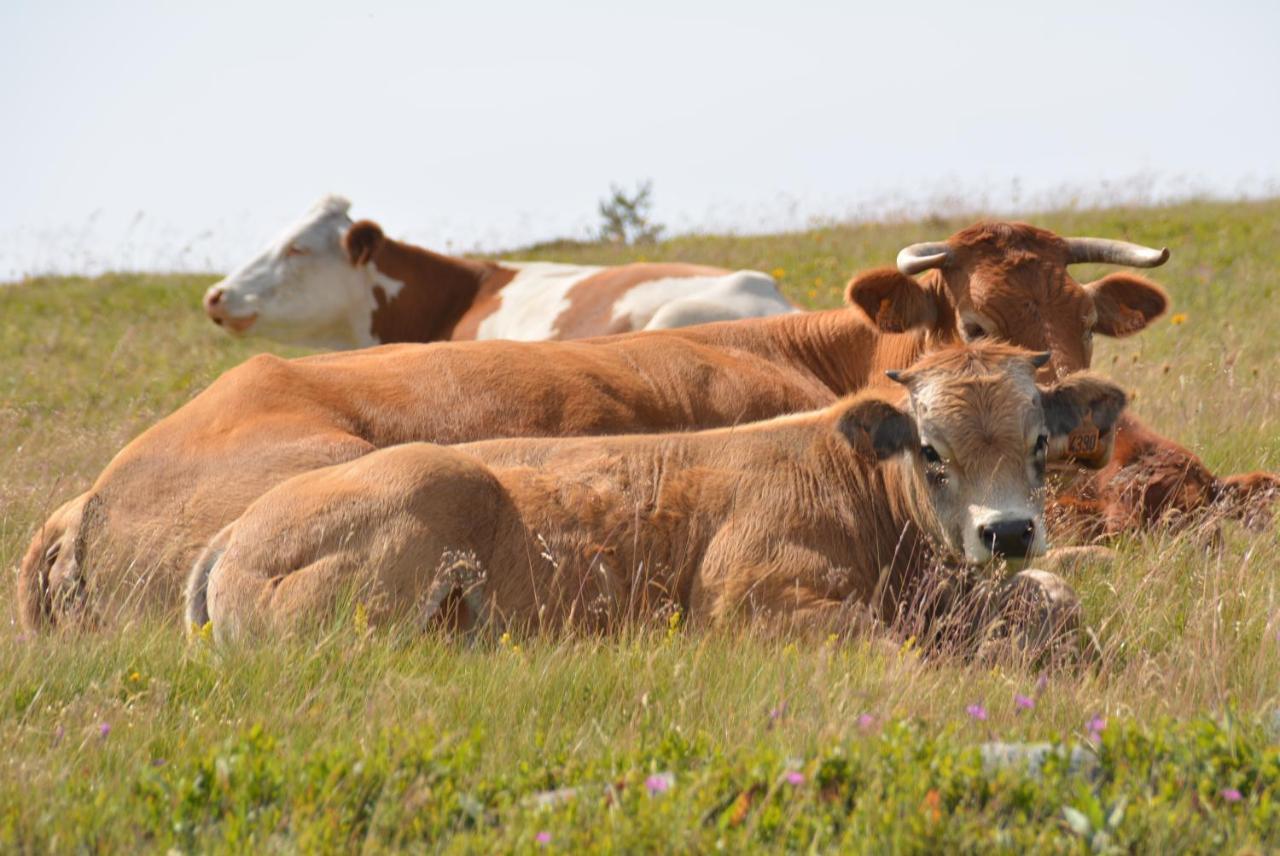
(438, 291)
(1154, 482)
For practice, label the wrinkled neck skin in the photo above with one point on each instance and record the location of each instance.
(832, 345)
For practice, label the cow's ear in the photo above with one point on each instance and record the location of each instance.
(1126, 303)
(1081, 413)
(893, 301)
(876, 428)
(362, 241)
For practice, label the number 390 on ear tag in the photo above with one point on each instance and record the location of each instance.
(1083, 440)
(1083, 443)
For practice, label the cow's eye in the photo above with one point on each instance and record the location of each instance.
(1042, 445)
(295, 250)
(973, 331)
(934, 467)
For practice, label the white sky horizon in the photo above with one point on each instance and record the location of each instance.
(165, 136)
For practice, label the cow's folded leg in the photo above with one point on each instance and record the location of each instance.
(1249, 498)
(459, 598)
(1068, 560)
(244, 602)
(1033, 617)
(1076, 518)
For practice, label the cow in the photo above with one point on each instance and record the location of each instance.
(1150, 481)
(811, 518)
(128, 541)
(327, 282)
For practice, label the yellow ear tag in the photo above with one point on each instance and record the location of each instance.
(1083, 443)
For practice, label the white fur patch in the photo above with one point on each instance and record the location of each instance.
(682, 301)
(390, 287)
(533, 300)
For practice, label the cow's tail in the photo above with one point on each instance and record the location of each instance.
(58, 543)
(197, 596)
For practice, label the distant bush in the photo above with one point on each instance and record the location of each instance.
(624, 219)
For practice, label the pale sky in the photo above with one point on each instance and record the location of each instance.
(182, 135)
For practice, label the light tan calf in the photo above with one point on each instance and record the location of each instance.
(811, 518)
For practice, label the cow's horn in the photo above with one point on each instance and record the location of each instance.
(918, 257)
(1107, 251)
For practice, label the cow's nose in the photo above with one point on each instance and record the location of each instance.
(1009, 538)
(213, 304)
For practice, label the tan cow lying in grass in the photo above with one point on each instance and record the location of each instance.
(811, 518)
(130, 539)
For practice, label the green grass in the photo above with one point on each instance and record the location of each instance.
(368, 739)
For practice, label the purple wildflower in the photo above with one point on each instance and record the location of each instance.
(977, 711)
(104, 729)
(795, 777)
(543, 838)
(1231, 795)
(866, 722)
(1096, 725)
(1042, 683)
(777, 713)
(658, 783)
(1022, 702)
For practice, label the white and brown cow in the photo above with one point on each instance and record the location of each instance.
(330, 283)
(814, 518)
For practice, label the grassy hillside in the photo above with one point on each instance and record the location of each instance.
(131, 739)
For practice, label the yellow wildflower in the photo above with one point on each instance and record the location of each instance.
(1178, 318)
(779, 273)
